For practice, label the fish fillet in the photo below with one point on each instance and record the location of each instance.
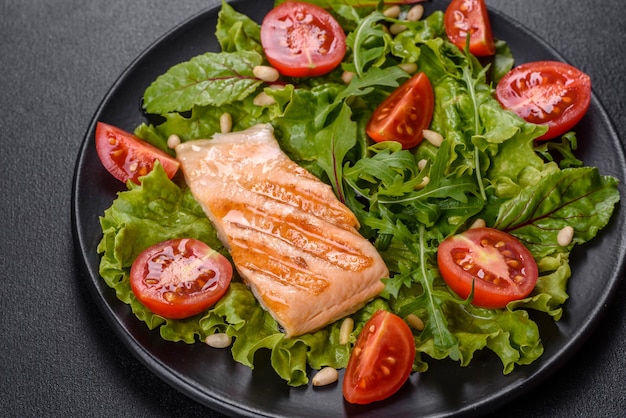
(292, 241)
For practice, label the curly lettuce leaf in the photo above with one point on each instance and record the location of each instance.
(236, 31)
(158, 210)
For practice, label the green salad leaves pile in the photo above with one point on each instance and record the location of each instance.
(486, 168)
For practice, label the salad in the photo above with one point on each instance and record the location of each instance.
(409, 199)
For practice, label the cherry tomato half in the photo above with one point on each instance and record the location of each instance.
(404, 114)
(126, 156)
(498, 264)
(465, 17)
(180, 278)
(302, 40)
(548, 93)
(381, 360)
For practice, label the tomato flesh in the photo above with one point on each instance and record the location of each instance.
(463, 17)
(548, 93)
(302, 39)
(498, 265)
(381, 360)
(180, 278)
(127, 157)
(404, 114)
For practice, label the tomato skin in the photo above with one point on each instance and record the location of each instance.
(496, 256)
(404, 114)
(381, 360)
(302, 39)
(463, 16)
(548, 93)
(127, 157)
(180, 278)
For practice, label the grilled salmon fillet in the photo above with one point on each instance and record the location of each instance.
(292, 241)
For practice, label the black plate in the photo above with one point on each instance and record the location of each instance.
(212, 378)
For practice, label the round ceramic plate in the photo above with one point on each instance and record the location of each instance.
(212, 378)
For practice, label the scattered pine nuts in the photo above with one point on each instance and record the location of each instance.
(263, 99)
(173, 141)
(565, 236)
(392, 12)
(324, 377)
(347, 76)
(415, 322)
(421, 164)
(396, 28)
(265, 73)
(433, 137)
(409, 67)
(478, 223)
(218, 340)
(347, 326)
(415, 13)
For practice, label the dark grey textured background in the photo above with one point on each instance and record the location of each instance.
(58, 58)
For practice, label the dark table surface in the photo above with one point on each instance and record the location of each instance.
(59, 357)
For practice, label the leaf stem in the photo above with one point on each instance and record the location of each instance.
(472, 92)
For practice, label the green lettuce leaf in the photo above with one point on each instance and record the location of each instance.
(237, 32)
(577, 197)
(209, 79)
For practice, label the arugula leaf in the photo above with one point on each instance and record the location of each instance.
(565, 147)
(333, 143)
(369, 43)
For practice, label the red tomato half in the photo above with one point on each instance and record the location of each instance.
(126, 156)
(302, 40)
(498, 264)
(465, 17)
(404, 114)
(381, 360)
(180, 277)
(548, 93)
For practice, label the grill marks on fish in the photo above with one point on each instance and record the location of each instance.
(291, 240)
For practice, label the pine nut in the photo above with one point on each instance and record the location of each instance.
(478, 223)
(326, 376)
(226, 123)
(565, 236)
(415, 322)
(392, 12)
(415, 13)
(421, 164)
(263, 99)
(423, 183)
(218, 340)
(409, 67)
(173, 141)
(347, 326)
(265, 73)
(433, 137)
(347, 76)
(396, 28)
